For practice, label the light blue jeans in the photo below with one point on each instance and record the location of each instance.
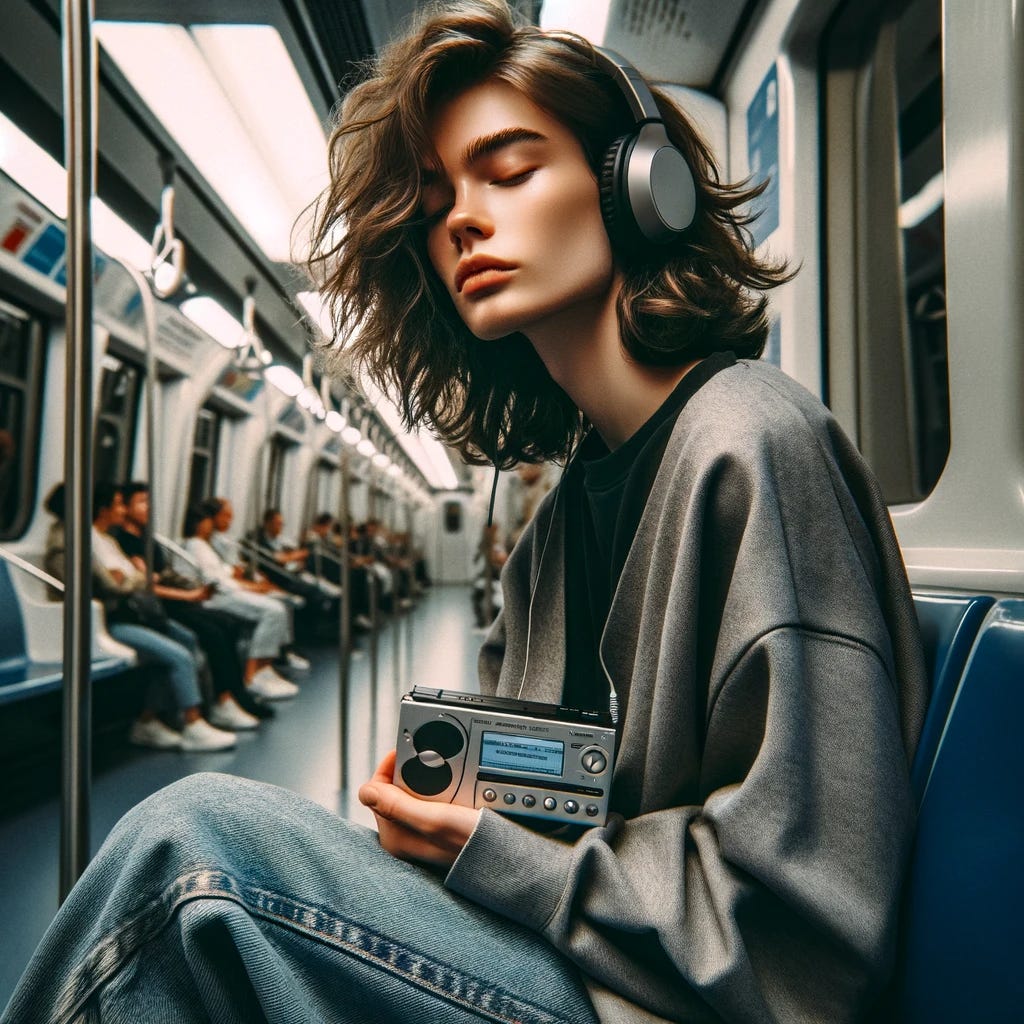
(219, 899)
(173, 655)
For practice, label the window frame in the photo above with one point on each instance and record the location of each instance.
(212, 453)
(36, 331)
(126, 456)
(873, 376)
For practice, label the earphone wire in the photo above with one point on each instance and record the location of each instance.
(613, 697)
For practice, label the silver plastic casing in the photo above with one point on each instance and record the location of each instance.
(515, 757)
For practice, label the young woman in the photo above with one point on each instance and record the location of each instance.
(716, 567)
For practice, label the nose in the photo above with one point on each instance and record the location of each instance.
(468, 221)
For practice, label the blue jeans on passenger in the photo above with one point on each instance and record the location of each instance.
(220, 899)
(172, 655)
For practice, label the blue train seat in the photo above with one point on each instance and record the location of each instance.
(962, 935)
(949, 624)
(20, 676)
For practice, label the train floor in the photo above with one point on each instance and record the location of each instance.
(298, 749)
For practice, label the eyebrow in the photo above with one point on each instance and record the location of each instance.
(485, 145)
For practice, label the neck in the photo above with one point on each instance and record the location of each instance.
(133, 528)
(583, 352)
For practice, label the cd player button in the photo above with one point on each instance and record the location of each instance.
(592, 810)
(490, 796)
(594, 762)
(510, 798)
(550, 803)
(571, 807)
(529, 800)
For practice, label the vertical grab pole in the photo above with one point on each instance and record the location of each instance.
(345, 625)
(372, 578)
(79, 148)
(396, 607)
(408, 618)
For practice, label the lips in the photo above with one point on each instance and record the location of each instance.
(474, 265)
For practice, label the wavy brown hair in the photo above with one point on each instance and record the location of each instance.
(495, 401)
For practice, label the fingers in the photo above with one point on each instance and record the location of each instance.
(448, 825)
(386, 769)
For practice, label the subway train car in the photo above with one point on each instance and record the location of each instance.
(891, 135)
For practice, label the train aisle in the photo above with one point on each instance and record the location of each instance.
(298, 749)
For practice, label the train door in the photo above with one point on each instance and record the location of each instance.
(457, 539)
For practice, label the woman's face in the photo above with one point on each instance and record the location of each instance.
(513, 214)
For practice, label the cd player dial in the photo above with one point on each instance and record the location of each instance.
(594, 761)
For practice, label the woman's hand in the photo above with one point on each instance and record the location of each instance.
(413, 829)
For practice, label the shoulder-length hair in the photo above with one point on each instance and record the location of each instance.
(495, 401)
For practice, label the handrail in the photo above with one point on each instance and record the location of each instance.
(149, 318)
(32, 570)
(178, 551)
(262, 559)
(166, 249)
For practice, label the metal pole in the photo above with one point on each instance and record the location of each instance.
(345, 625)
(372, 579)
(79, 147)
(396, 608)
(408, 618)
(149, 316)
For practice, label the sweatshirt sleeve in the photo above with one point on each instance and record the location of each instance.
(771, 901)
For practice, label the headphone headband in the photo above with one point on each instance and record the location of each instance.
(634, 89)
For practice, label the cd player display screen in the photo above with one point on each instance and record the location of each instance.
(521, 753)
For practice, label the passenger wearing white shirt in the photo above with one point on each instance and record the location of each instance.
(248, 601)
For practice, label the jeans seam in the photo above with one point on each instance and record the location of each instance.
(103, 960)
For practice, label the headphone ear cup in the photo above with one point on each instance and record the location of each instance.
(618, 219)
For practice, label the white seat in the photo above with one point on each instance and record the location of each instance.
(44, 621)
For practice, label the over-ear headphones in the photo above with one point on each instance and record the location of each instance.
(647, 189)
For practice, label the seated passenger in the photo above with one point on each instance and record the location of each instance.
(247, 600)
(717, 569)
(135, 618)
(185, 600)
(285, 566)
(228, 550)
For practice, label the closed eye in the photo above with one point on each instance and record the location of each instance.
(516, 179)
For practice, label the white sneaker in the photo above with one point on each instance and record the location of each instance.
(228, 715)
(297, 662)
(200, 735)
(270, 686)
(154, 734)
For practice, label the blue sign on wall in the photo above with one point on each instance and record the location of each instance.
(763, 153)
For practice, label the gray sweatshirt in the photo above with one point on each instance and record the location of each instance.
(764, 647)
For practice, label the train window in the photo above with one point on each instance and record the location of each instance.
(325, 496)
(885, 268)
(275, 472)
(21, 366)
(921, 221)
(205, 447)
(116, 419)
